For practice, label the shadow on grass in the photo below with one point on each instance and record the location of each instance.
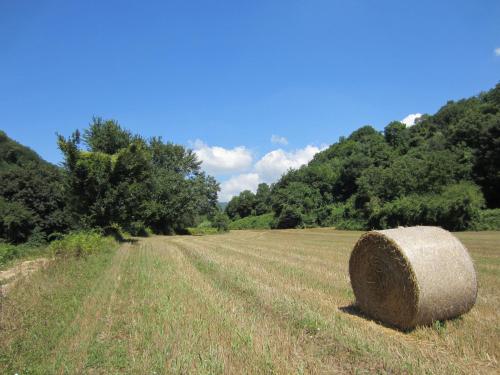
(439, 325)
(354, 310)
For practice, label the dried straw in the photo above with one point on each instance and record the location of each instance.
(408, 277)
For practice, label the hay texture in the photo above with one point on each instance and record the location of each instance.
(407, 277)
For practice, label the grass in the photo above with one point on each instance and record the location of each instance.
(10, 254)
(244, 302)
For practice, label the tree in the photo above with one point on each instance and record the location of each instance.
(262, 199)
(125, 180)
(106, 136)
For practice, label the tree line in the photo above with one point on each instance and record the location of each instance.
(444, 170)
(110, 179)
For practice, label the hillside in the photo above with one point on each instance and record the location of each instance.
(441, 171)
(31, 194)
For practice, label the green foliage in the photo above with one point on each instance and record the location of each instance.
(488, 220)
(32, 200)
(136, 184)
(107, 136)
(81, 244)
(220, 221)
(295, 205)
(8, 252)
(247, 203)
(201, 231)
(456, 208)
(264, 221)
(16, 221)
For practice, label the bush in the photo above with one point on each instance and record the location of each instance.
(221, 222)
(197, 231)
(341, 216)
(81, 244)
(488, 220)
(457, 208)
(137, 228)
(290, 217)
(253, 222)
(7, 252)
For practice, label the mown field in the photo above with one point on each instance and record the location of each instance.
(247, 302)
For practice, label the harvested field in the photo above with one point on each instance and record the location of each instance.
(243, 302)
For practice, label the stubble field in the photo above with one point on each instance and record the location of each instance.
(247, 302)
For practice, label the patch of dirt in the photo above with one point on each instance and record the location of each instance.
(9, 277)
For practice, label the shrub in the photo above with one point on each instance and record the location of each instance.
(221, 222)
(457, 208)
(253, 222)
(81, 244)
(488, 220)
(7, 252)
(197, 231)
(290, 217)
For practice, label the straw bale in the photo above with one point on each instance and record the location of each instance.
(407, 277)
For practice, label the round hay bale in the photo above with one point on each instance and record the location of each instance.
(408, 277)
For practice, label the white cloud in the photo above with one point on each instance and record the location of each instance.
(238, 183)
(245, 175)
(272, 165)
(216, 160)
(411, 118)
(279, 139)
(497, 51)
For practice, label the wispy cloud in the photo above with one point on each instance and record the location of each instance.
(497, 51)
(279, 140)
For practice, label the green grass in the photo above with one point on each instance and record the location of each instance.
(11, 253)
(247, 302)
(253, 222)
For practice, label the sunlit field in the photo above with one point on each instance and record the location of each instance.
(246, 302)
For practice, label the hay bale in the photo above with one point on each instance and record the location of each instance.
(408, 277)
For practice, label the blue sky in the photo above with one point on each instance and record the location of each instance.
(223, 77)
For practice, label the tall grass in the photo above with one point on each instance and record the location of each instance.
(9, 253)
(81, 244)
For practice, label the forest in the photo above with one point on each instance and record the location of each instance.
(444, 171)
(441, 171)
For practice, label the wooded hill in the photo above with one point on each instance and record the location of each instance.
(443, 171)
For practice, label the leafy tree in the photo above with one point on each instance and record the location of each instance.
(107, 136)
(16, 221)
(32, 193)
(125, 180)
(262, 199)
(221, 221)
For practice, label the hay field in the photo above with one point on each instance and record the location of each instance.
(247, 302)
